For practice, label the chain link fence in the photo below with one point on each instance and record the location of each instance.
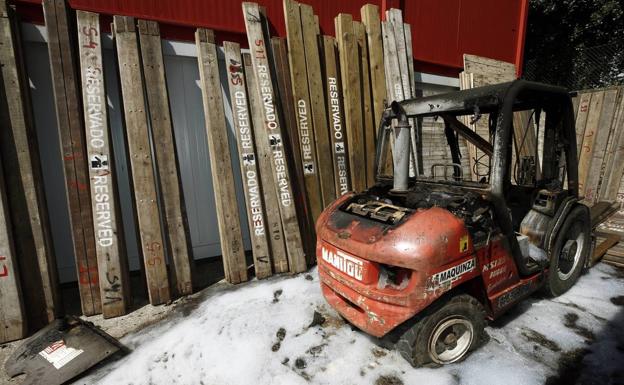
(592, 67)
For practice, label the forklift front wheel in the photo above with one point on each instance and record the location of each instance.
(445, 334)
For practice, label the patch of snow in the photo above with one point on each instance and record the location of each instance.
(232, 338)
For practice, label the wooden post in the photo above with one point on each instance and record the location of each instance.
(247, 159)
(350, 75)
(166, 159)
(27, 204)
(269, 188)
(110, 248)
(370, 19)
(273, 131)
(12, 317)
(367, 104)
(230, 235)
(317, 103)
(141, 162)
(286, 107)
(334, 99)
(301, 100)
(71, 133)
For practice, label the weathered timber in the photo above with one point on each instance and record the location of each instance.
(27, 204)
(350, 76)
(71, 134)
(109, 246)
(269, 188)
(178, 244)
(248, 160)
(228, 219)
(371, 20)
(273, 130)
(333, 95)
(317, 104)
(141, 160)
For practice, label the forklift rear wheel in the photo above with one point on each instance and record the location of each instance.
(570, 252)
(445, 334)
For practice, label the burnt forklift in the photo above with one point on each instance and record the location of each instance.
(424, 260)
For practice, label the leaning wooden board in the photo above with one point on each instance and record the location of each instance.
(301, 97)
(371, 20)
(228, 219)
(273, 130)
(141, 160)
(166, 160)
(317, 103)
(287, 108)
(256, 213)
(352, 93)
(29, 214)
(12, 317)
(269, 189)
(71, 134)
(367, 104)
(109, 246)
(333, 95)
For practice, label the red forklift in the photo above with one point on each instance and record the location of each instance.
(423, 258)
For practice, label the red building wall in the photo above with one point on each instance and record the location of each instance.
(442, 30)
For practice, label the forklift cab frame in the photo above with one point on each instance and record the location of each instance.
(500, 101)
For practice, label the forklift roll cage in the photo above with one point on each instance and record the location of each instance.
(501, 101)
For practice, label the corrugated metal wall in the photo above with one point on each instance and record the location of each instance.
(442, 30)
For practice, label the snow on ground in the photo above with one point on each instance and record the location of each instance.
(260, 333)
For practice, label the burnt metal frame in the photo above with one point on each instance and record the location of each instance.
(504, 98)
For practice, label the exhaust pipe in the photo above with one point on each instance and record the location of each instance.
(401, 153)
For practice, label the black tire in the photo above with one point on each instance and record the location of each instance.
(414, 344)
(570, 252)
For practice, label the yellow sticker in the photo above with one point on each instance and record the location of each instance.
(463, 243)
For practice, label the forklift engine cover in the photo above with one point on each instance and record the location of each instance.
(378, 273)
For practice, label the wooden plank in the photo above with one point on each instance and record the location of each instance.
(614, 164)
(27, 204)
(581, 119)
(367, 104)
(371, 20)
(602, 248)
(220, 163)
(272, 136)
(589, 136)
(317, 103)
(176, 223)
(301, 99)
(350, 76)
(336, 118)
(483, 65)
(141, 162)
(12, 317)
(71, 134)
(285, 104)
(395, 19)
(247, 159)
(269, 188)
(600, 143)
(109, 246)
